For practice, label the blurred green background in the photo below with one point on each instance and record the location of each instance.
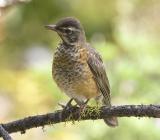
(125, 32)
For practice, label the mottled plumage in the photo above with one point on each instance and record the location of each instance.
(77, 68)
(71, 72)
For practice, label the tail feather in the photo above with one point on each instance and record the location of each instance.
(110, 121)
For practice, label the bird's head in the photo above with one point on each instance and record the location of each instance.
(69, 29)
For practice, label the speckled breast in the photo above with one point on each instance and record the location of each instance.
(71, 72)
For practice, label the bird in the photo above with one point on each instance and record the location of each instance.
(78, 68)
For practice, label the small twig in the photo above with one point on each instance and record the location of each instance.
(4, 133)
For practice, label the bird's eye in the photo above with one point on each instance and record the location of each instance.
(68, 31)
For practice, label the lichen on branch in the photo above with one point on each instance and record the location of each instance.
(90, 113)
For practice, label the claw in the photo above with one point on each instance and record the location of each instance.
(82, 108)
(61, 105)
(67, 106)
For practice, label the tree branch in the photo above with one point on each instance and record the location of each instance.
(90, 113)
(4, 133)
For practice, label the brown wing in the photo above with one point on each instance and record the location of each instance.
(96, 65)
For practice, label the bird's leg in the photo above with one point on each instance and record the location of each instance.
(65, 107)
(68, 105)
(82, 106)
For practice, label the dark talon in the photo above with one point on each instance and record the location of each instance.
(61, 105)
(65, 107)
(82, 108)
(68, 105)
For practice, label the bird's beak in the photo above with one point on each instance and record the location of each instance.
(51, 27)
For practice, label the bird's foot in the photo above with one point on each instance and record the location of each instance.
(67, 106)
(61, 105)
(82, 109)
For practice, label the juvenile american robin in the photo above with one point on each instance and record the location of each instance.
(77, 68)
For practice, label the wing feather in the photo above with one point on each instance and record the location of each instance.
(95, 63)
